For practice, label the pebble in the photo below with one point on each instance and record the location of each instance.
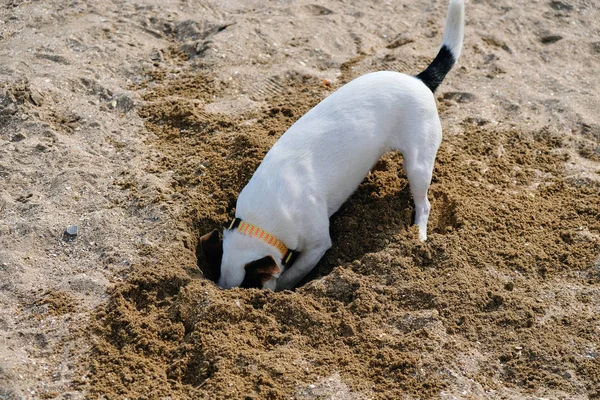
(550, 39)
(72, 231)
(123, 102)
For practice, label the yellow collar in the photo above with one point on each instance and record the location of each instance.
(288, 256)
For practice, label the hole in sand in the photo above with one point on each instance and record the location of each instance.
(209, 271)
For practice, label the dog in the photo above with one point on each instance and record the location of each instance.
(281, 225)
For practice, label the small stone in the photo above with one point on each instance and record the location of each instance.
(561, 6)
(123, 102)
(36, 97)
(156, 55)
(71, 231)
(548, 39)
(17, 137)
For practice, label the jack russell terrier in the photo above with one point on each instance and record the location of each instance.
(321, 160)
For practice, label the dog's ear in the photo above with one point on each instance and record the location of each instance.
(212, 247)
(260, 271)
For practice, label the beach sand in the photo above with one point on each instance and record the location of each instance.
(140, 122)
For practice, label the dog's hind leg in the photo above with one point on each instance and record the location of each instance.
(419, 162)
(419, 174)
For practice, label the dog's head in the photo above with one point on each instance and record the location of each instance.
(239, 261)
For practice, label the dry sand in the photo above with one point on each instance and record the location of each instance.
(140, 122)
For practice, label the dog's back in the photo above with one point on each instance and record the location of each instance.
(328, 151)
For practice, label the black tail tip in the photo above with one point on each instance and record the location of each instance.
(435, 73)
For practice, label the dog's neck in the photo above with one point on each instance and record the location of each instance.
(276, 222)
(240, 250)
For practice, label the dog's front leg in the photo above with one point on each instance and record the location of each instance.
(304, 264)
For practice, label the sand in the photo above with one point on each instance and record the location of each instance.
(140, 123)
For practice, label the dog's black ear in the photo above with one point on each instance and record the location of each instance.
(212, 247)
(260, 271)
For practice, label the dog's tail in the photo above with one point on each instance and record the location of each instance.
(452, 42)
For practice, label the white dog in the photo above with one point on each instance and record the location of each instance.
(320, 161)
